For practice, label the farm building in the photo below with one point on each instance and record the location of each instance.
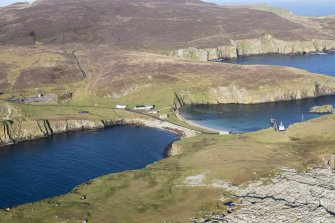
(144, 107)
(121, 106)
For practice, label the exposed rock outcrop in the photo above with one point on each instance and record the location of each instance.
(263, 45)
(329, 160)
(173, 150)
(289, 197)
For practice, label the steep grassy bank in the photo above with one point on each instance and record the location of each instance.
(189, 184)
(152, 79)
(129, 77)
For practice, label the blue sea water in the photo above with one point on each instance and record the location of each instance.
(298, 7)
(34, 170)
(247, 118)
(315, 63)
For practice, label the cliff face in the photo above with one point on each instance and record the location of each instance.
(239, 94)
(264, 45)
(20, 130)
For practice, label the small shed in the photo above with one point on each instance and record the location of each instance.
(144, 107)
(121, 106)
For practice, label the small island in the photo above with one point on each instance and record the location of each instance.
(324, 109)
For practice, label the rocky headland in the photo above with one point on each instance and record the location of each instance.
(236, 93)
(291, 196)
(266, 44)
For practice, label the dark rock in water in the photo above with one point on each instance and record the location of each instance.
(324, 109)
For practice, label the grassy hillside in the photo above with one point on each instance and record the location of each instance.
(141, 78)
(155, 25)
(132, 78)
(33, 67)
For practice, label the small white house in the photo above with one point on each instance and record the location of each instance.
(144, 107)
(121, 106)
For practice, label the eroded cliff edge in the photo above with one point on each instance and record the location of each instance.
(18, 130)
(266, 44)
(244, 94)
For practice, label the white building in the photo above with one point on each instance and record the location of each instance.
(121, 106)
(144, 107)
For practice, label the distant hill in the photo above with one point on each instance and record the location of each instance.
(145, 24)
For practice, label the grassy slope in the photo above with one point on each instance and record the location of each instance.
(24, 68)
(157, 193)
(184, 23)
(128, 77)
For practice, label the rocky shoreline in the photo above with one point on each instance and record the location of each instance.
(235, 94)
(24, 130)
(266, 44)
(290, 196)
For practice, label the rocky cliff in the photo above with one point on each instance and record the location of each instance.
(235, 93)
(258, 46)
(18, 130)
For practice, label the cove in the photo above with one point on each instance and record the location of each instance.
(315, 63)
(34, 170)
(247, 118)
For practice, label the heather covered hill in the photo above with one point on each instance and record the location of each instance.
(31, 67)
(146, 24)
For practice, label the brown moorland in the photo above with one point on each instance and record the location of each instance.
(147, 24)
